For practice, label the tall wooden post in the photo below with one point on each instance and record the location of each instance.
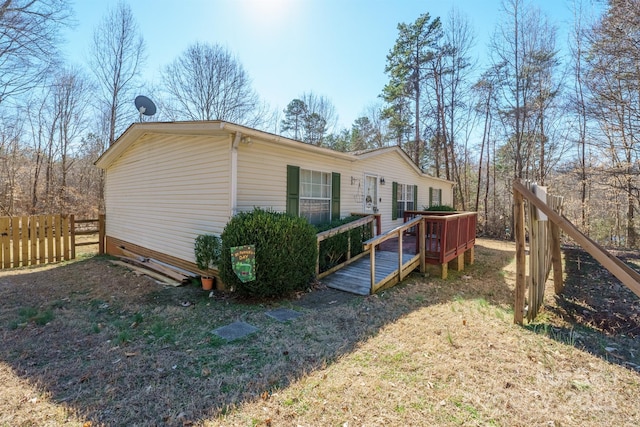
(556, 259)
(102, 232)
(518, 215)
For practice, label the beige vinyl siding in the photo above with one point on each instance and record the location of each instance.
(262, 173)
(393, 167)
(165, 190)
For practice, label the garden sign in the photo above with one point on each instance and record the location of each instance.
(243, 261)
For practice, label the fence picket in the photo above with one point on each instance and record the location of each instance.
(57, 235)
(15, 240)
(49, 232)
(24, 239)
(33, 237)
(5, 243)
(65, 237)
(40, 239)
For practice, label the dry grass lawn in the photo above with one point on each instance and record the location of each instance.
(90, 343)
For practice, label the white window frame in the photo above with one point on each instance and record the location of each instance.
(311, 191)
(405, 195)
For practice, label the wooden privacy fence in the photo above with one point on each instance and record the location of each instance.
(629, 277)
(41, 239)
(544, 247)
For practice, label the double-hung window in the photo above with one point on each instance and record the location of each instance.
(315, 196)
(406, 198)
(312, 194)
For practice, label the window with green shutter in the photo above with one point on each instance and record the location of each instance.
(293, 190)
(313, 194)
(405, 198)
(335, 196)
(394, 201)
(435, 196)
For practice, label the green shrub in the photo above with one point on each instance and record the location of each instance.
(207, 251)
(333, 250)
(440, 208)
(285, 252)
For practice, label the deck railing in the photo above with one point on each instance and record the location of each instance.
(371, 220)
(404, 268)
(448, 235)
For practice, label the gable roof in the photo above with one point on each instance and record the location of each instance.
(221, 128)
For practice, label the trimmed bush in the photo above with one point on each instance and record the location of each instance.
(333, 250)
(285, 253)
(441, 208)
(207, 251)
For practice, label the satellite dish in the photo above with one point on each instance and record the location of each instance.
(145, 106)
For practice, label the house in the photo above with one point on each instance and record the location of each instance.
(166, 183)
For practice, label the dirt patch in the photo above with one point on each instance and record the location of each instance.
(91, 342)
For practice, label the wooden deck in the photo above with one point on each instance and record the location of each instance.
(356, 277)
(422, 241)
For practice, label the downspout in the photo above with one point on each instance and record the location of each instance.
(233, 191)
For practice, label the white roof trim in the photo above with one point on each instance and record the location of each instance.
(217, 127)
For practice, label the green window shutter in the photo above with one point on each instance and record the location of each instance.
(430, 196)
(335, 196)
(293, 190)
(394, 200)
(415, 198)
(440, 196)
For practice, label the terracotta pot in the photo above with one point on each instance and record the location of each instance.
(207, 283)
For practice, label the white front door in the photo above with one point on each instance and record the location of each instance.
(370, 194)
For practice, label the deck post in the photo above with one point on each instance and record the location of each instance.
(457, 263)
(421, 238)
(400, 276)
(444, 271)
(470, 255)
(373, 268)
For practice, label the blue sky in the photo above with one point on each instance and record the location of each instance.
(335, 48)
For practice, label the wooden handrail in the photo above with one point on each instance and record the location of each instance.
(370, 246)
(323, 235)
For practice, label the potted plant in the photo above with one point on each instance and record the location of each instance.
(207, 252)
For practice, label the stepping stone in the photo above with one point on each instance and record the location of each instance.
(235, 331)
(283, 314)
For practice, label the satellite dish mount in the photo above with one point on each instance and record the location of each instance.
(145, 106)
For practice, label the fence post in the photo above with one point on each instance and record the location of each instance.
(65, 237)
(72, 220)
(518, 309)
(556, 259)
(102, 232)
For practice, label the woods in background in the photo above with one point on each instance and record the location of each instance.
(560, 111)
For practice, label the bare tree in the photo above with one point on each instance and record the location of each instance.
(10, 164)
(70, 103)
(613, 83)
(207, 82)
(526, 59)
(117, 54)
(29, 35)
